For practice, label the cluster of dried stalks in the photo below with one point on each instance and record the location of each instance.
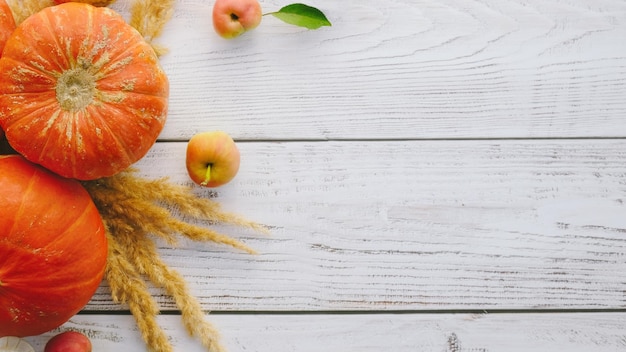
(135, 212)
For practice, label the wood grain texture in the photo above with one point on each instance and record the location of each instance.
(413, 225)
(416, 156)
(373, 333)
(403, 69)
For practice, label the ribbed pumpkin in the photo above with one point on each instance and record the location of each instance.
(81, 92)
(7, 23)
(53, 248)
(7, 26)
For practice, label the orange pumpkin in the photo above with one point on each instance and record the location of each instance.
(7, 23)
(81, 92)
(53, 248)
(7, 26)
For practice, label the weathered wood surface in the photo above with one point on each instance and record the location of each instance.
(418, 156)
(404, 69)
(414, 225)
(374, 333)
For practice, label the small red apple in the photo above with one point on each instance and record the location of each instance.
(212, 158)
(232, 18)
(69, 341)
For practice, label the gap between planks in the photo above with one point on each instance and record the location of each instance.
(374, 312)
(382, 140)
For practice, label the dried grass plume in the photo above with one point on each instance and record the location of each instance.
(135, 210)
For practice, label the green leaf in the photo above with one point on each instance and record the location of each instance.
(302, 15)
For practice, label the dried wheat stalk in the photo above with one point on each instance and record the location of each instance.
(134, 211)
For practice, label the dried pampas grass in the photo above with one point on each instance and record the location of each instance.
(135, 210)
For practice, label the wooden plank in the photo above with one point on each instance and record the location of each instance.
(413, 225)
(403, 69)
(598, 332)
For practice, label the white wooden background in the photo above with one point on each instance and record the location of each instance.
(443, 175)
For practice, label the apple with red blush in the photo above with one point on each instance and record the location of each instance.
(212, 158)
(232, 18)
(69, 341)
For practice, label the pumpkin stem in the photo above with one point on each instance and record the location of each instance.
(75, 89)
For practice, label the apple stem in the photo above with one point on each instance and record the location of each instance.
(207, 177)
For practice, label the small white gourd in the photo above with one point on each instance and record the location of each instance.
(14, 344)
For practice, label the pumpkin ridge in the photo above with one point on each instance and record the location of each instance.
(7, 23)
(99, 53)
(33, 190)
(49, 142)
(116, 62)
(50, 34)
(105, 124)
(22, 205)
(20, 292)
(95, 53)
(21, 258)
(78, 194)
(57, 44)
(89, 49)
(28, 114)
(155, 101)
(57, 120)
(87, 123)
(27, 75)
(139, 122)
(79, 221)
(47, 129)
(52, 17)
(21, 71)
(119, 78)
(131, 87)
